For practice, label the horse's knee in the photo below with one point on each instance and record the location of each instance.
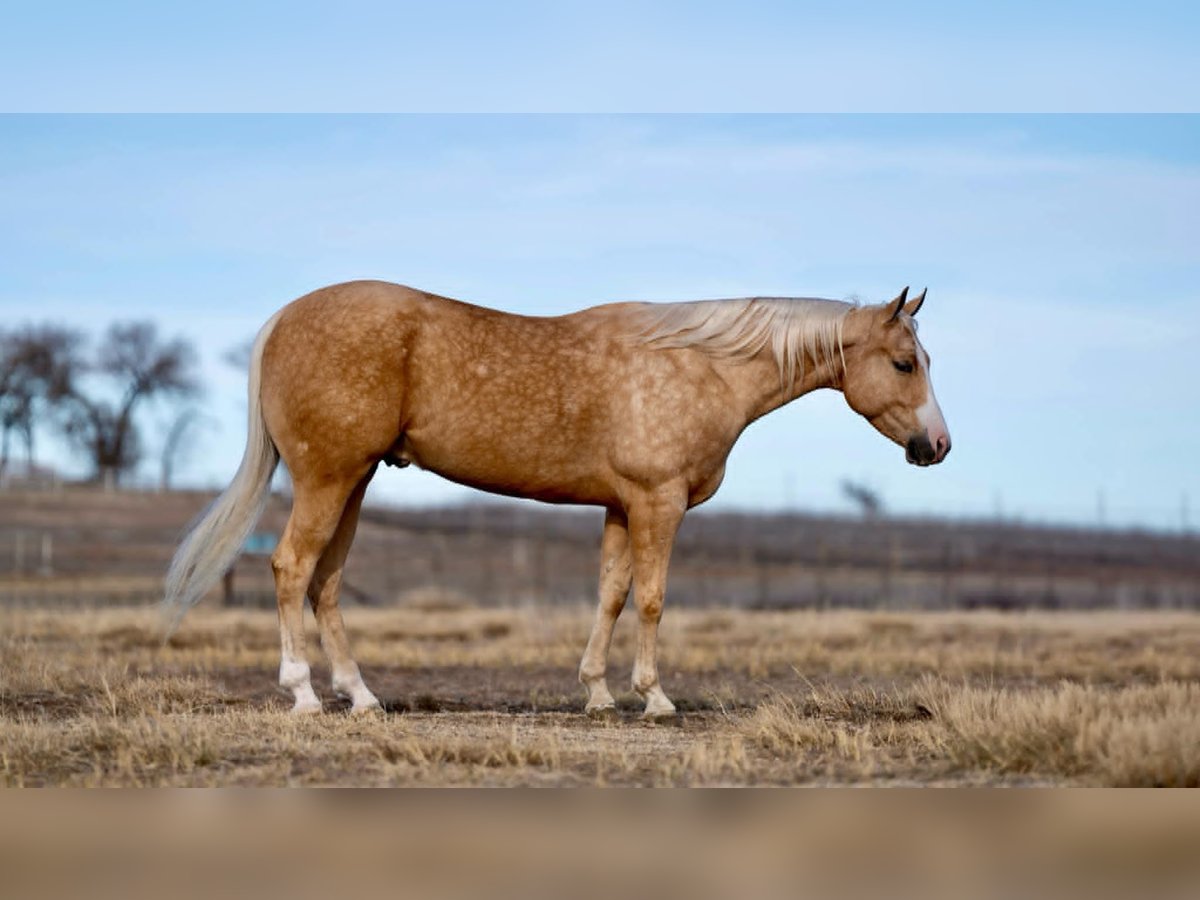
(281, 561)
(650, 609)
(286, 566)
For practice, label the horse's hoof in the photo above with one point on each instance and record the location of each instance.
(306, 708)
(660, 716)
(602, 713)
(659, 712)
(373, 708)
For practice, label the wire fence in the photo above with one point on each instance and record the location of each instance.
(63, 546)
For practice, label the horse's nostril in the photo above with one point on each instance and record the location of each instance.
(943, 446)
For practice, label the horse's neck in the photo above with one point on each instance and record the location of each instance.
(760, 389)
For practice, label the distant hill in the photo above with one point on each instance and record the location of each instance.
(85, 545)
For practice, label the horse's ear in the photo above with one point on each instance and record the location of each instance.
(892, 310)
(914, 304)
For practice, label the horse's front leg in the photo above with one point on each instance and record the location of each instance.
(616, 574)
(653, 522)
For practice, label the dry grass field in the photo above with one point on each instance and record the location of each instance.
(489, 697)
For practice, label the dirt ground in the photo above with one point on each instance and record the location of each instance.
(489, 697)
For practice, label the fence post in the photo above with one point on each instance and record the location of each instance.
(47, 554)
(822, 574)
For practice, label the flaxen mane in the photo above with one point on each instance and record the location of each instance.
(799, 330)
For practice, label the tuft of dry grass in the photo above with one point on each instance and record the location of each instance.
(489, 697)
(1134, 736)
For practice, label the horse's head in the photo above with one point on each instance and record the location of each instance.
(887, 381)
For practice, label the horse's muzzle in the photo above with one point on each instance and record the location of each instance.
(921, 451)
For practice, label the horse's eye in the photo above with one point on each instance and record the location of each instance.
(905, 367)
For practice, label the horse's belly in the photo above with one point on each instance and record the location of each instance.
(521, 471)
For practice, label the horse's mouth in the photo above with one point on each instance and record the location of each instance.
(919, 451)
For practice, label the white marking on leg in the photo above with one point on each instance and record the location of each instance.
(658, 704)
(348, 682)
(598, 696)
(294, 675)
(649, 689)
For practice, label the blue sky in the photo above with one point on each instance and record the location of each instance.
(1060, 254)
(621, 55)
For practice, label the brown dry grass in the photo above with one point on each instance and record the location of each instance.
(489, 697)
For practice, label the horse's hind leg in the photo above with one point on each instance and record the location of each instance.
(616, 572)
(323, 594)
(317, 508)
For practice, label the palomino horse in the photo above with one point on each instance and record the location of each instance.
(630, 406)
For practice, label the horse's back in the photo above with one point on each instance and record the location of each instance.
(388, 371)
(514, 404)
(546, 407)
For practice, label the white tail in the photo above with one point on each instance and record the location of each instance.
(212, 545)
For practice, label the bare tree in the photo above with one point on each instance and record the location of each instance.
(15, 396)
(39, 365)
(174, 446)
(867, 499)
(143, 368)
(239, 355)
